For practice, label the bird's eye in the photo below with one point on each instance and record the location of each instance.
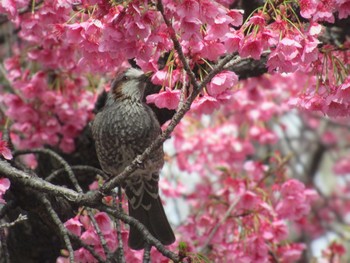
(125, 78)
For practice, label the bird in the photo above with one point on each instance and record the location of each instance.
(122, 130)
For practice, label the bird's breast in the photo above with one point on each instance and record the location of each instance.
(123, 131)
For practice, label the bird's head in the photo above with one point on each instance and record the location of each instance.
(130, 84)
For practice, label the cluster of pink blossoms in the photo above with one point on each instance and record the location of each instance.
(211, 34)
(255, 227)
(43, 113)
(82, 227)
(324, 10)
(223, 153)
(52, 105)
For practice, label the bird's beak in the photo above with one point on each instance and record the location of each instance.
(148, 74)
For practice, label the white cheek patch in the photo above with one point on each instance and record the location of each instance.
(133, 73)
(132, 89)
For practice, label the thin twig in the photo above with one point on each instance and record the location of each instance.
(86, 168)
(183, 90)
(19, 219)
(141, 228)
(59, 224)
(4, 252)
(118, 206)
(147, 253)
(100, 235)
(53, 154)
(177, 46)
(39, 184)
(6, 207)
(216, 227)
(92, 251)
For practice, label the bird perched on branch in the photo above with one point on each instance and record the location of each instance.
(122, 130)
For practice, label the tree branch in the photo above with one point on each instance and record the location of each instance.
(58, 158)
(205, 247)
(100, 235)
(59, 224)
(39, 184)
(118, 207)
(91, 199)
(4, 252)
(147, 254)
(19, 219)
(140, 227)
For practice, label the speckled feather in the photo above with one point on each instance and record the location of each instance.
(122, 130)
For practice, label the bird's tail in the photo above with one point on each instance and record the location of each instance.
(156, 222)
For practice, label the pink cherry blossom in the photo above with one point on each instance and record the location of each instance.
(255, 170)
(325, 11)
(280, 230)
(169, 190)
(10, 7)
(233, 40)
(104, 222)
(221, 82)
(262, 135)
(31, 110)
(90, 237)
(82, 255)
(168, 99)
(251, 47)
(189, 8)
(205, 105)
(291, 253)
(4, 186)
(237, 17)
(212, 50)
(160, 78)
(74, 226)
(111, 239)
(249, 200)
(292, 187)
(4, 150)
(295, 200)
(337, 248)
(308, 7)
(342, 166)
(343, 8)
(257, 19)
